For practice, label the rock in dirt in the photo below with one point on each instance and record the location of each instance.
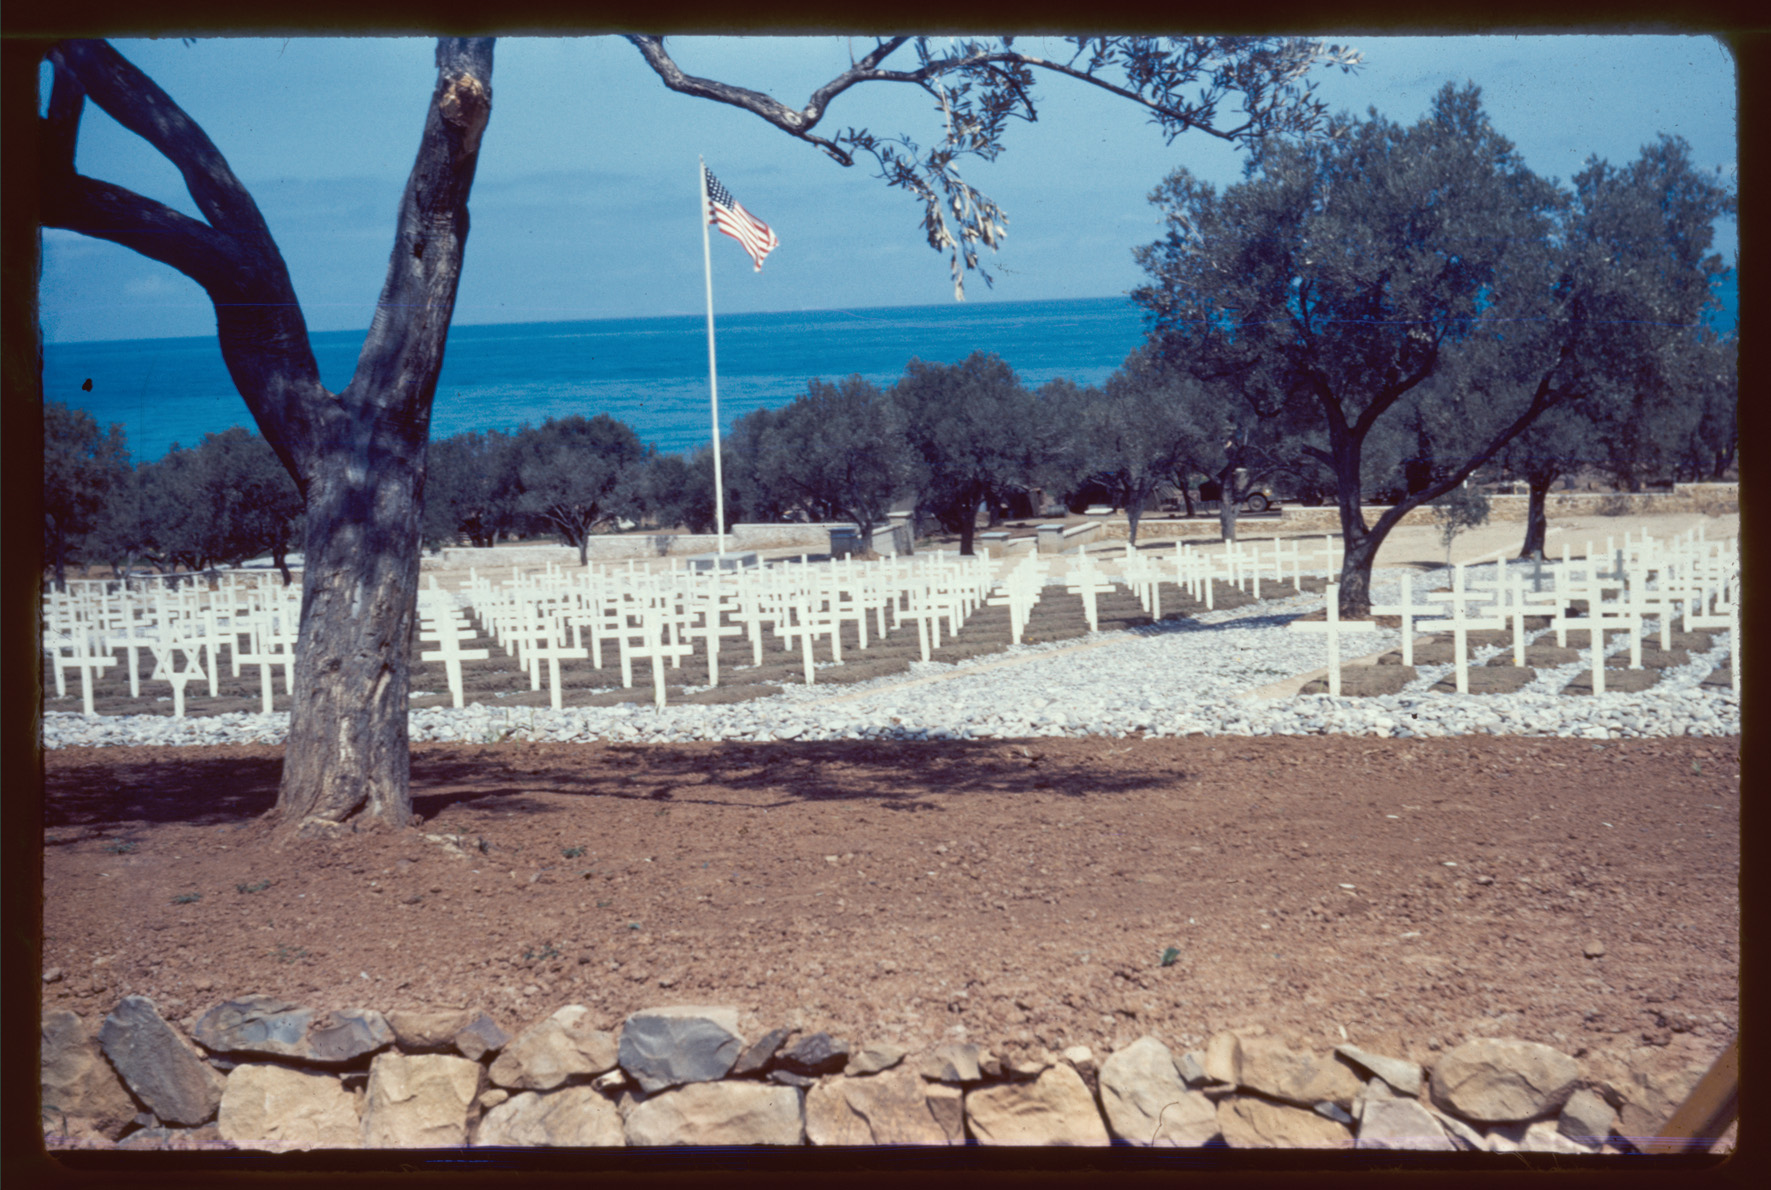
(1054, 1109)
(1251, 1123)
(576, 1117)
(1586, 1118)
(418, 1101)
(1401, 1124)
(270, 1027)
(426, 1031)
(875, 1057)
(816, 1054)
(759, 1053)
(479, 1037)
(1537, 1136)
(1148, 1103)
(1652, 1095)
(719, 1113)
(666, 1047)
(1192, 1067)
(78, 1085)
(1401, 1074)
(894, 1108)
(163, 1069)
(1223, 1058)
(952, 1062)
(1274, 1069)
(549, 1052)
(1493, 1080)
(277, 1108)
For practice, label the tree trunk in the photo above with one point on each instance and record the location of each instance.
(347, 751)
(968, 528)
(1134, 512)
(281, 558)
(1536, 523)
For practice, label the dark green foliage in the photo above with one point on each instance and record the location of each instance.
(576, 475)
(1388, 282)
(82, 470)
(220, 503)
(469, 489)
(1149, 425)
(837, 453)
(982, 437)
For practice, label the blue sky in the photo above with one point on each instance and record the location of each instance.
(585, 201)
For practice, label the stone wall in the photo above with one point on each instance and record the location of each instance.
(256, 1073)
(617, 547)
(1711, 499)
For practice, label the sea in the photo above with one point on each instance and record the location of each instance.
(648, 372)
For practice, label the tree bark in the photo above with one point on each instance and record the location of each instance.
(357, 457)
(1536, 523)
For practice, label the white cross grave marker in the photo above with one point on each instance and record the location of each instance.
(1332, 627)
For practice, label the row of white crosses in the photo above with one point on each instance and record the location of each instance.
(184, 628)
(666, 616)
(1699, 577)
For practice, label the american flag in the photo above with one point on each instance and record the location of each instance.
(731, 218)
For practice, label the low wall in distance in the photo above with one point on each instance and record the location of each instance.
(1710, 499)
(616, 547)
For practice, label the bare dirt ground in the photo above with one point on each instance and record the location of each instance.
(1410, 893)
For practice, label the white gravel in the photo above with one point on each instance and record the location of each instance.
(1178, 678)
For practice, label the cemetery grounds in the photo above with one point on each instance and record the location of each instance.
(1402, 894)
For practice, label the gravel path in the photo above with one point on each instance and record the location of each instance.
(1175, 678)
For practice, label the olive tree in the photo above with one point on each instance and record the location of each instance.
(358, 455)
(1347, 272)
(83, 468)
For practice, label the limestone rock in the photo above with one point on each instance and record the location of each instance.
(952, 1062)
(1192, 1067)
(1498, 1081)
(816, 1054)
(575, 1117)
(1082, 1059)
(873, 1058)
(1054, 1109)
(1148, 1103)
(947, 1105)
(1399, 1073)
(479, 1037)
(718, 1113)
(758, 1054)
(894, 1108)
(416, 1031)
(1538, 1136)
(1587, 1118)
(418, 1101)
(1652, 1095)
(268, 1026)
(549, 1052)
(666, 1047)
(77, 1082)
(1251, 1123)
(1462, 1135)
(277, 1108)
(1223, 1058)
(1401, 1124)
(1299, 1077)
(163, 1069)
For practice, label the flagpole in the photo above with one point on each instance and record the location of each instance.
(719, 486)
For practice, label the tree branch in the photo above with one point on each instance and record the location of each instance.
(263, 338)
(396, 374)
